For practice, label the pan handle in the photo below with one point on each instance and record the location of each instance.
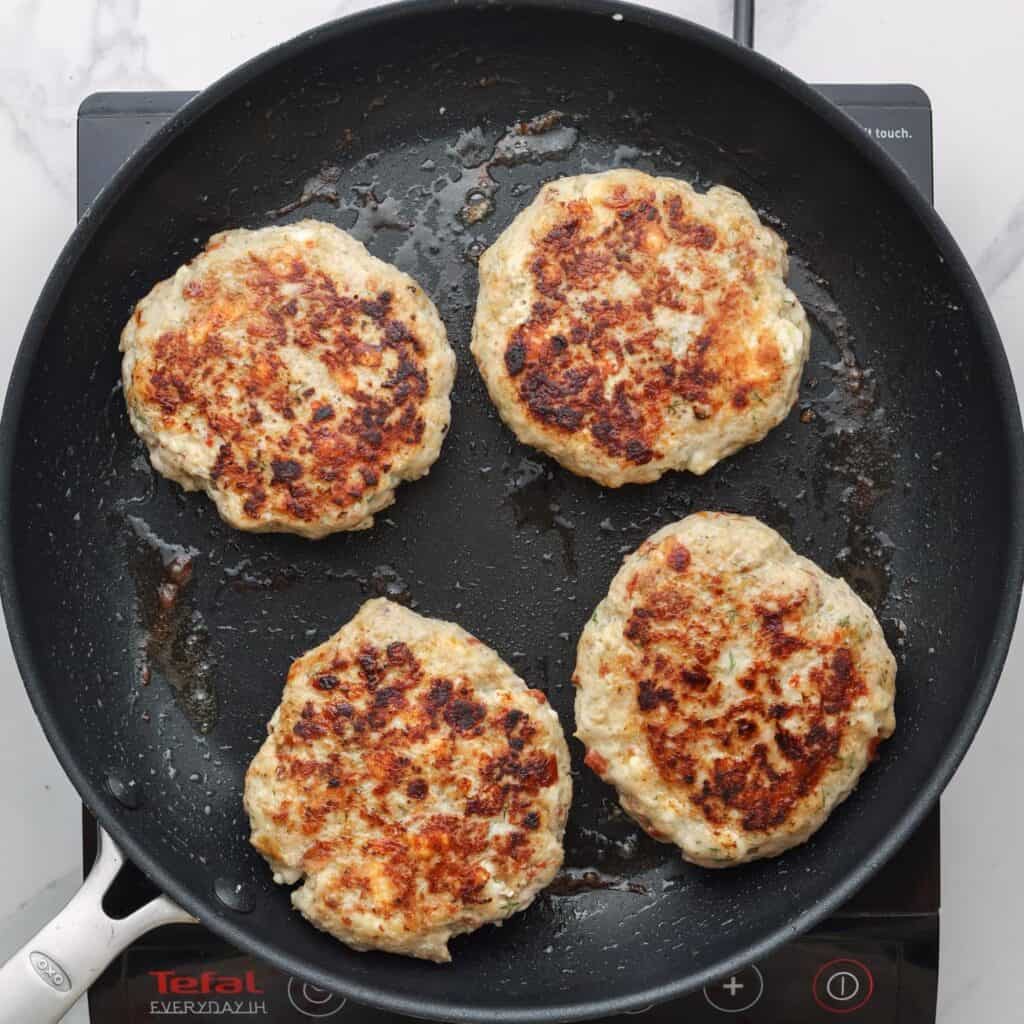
(47, 976)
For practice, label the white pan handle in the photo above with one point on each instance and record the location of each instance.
(47, 976)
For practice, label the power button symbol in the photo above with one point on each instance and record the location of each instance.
(843, 986)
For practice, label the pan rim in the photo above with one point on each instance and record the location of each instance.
(891, 174)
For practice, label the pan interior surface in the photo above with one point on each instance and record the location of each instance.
(896, 469)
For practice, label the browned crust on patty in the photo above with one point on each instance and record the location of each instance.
(301, 397)
(755, 686)
(597, 359)
(562, 378)
(679, 641)
(391, 778)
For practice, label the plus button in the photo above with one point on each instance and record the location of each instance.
(738, 992)
(732, 986)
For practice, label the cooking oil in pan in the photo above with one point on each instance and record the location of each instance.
(858, 449)
(437, 213)
(532, 493)
(573, 881)
(175, 641)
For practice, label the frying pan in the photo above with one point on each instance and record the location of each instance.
(900, 468)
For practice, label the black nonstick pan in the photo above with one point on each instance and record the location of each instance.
(899, 468)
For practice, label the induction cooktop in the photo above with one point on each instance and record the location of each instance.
(875, 960)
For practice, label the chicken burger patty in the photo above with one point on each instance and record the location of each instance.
(294, 377)
(730, 690)
(628, 325)
(412, 781)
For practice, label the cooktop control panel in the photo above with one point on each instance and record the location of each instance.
(873, 968)
(876, 961)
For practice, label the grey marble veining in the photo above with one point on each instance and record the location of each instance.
(1001, 258)
(54, 52)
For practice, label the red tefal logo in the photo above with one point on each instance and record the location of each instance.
(172, 983)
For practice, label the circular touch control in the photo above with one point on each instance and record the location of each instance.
(736, 993)
(311, 1001)
(843, 986)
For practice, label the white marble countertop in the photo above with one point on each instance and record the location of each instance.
(53, 53)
